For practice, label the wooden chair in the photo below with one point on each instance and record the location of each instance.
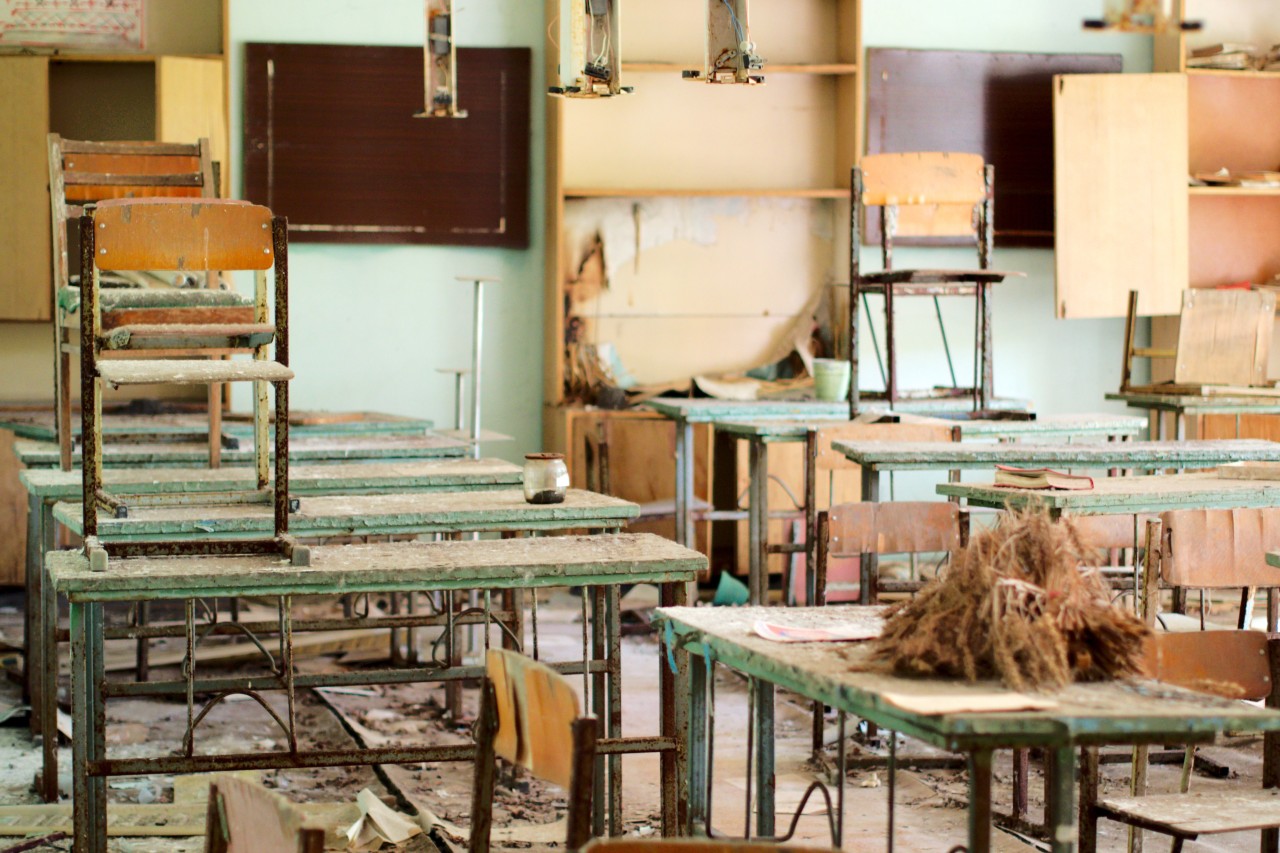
(1224, 339)
(869, 530)
(82, 174)
(1215, 549)
(1222, 549)
(928, 195)
(244, 817)
(1234, 664)
(825, 459)
(199, 235)
(530, 717)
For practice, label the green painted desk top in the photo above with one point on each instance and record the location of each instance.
(1045, 426)
(709, 410)
(354, 478)
(1126, 494)
(839, 674)
(361, 515)
(546, 561)
(43, 454)
(946, 456)
(38, 424)
(1199, 405)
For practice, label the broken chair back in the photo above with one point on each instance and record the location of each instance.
(531, 717)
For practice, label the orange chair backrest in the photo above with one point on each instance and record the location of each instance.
(180, 234)
(537, 708)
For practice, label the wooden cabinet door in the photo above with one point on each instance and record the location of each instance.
(1120, 163)
(25, 257)
(189, 106)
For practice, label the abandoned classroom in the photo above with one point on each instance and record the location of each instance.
(614, 425)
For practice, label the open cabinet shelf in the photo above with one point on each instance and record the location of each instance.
(173, 91)
(723, 212)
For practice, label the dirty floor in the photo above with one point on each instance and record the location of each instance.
(930, 803)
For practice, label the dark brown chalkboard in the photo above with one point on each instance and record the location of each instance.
(999, 105)
(332, 143)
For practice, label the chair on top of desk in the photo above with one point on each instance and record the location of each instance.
(924, 195)
(199, 235)
(143, 310)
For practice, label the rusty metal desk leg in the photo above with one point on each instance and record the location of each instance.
(763, 734)
(613, 609)
(599, 699)
(674, 724)
(1021, 783)
(700, 735)
(34, 567)
(758, 522)
(89, 715)
(980, 801)
(1061, 796)
(869, 564)
(47, 688)
(684, 483)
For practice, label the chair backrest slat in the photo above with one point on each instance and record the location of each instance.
(1217, 548)
(923, 178)
(177, 234)
(895, 527)
(1106, 531)
(537, 709)
(1233, 664)
(830, 460)
(925, 194)
(143, 147)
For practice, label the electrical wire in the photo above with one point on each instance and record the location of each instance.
(737, 25)
(604, 50)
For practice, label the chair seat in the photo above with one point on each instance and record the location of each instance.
(1198, 812)
(189, 336)
(899, 277)
(190, 371)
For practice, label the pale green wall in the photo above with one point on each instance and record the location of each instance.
(371, 324)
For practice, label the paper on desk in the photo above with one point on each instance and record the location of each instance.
(967, 703)
(830, 634)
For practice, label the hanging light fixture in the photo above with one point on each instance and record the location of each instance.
(1141, 16)
(731, 54)
(440, 63)
(590, 49)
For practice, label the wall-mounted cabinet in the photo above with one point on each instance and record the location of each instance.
(168, 98)
(1126, 146)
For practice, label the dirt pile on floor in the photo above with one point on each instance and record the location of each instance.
(1024, 603)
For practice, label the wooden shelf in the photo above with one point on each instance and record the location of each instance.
(124, 57)
(646, 192)
(1229, 72)
(835, 69)
(1234, 191)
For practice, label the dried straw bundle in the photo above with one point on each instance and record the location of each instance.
(1024, 603)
